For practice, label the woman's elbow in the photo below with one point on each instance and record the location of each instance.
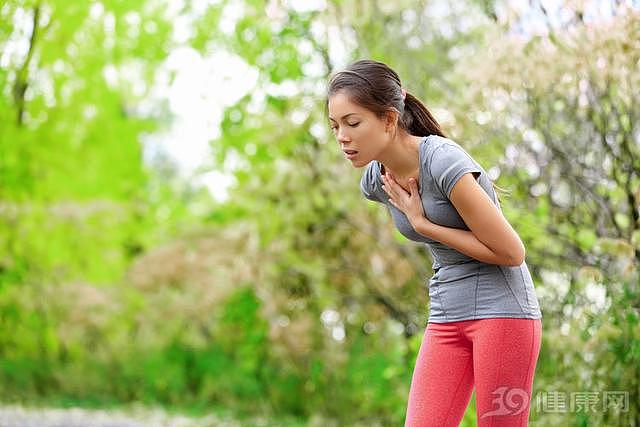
(516, 257)
(511, 256)
(515, 262)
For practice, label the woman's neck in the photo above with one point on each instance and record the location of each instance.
(401, 157)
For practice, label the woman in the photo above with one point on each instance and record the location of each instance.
(484, 327)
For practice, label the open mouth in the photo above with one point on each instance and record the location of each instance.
(350, 152)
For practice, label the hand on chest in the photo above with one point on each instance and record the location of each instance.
(437, 207)
(404, 182)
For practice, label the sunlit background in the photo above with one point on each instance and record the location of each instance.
(179, 231)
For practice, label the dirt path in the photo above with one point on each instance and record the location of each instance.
(19, 416)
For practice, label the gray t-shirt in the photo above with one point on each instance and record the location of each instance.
(462, 287)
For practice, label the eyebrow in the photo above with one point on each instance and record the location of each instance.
(343, 117)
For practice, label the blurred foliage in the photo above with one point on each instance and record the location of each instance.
(295, 296)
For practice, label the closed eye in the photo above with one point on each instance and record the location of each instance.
(351, 125)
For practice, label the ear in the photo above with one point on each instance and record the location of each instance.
(390, 120)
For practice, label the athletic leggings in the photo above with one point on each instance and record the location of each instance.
(497, 355)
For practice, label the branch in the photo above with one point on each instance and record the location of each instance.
(20, 86)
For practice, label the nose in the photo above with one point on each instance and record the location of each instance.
(340, 135)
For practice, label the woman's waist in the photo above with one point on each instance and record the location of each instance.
(473, 273)
(444, 256)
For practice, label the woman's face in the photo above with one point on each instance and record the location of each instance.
(356, 129)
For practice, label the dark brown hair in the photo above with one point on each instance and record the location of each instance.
(375, 86)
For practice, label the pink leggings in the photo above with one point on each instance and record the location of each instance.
(498, 355)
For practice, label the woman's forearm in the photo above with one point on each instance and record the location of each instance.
(463, 241)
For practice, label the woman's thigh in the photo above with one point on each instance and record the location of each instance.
(505, 354)
(442, 379)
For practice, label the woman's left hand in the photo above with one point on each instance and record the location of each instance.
(409, 203)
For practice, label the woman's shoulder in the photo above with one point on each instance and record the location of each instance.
(441, 143)
(445, 161)
(439, 149)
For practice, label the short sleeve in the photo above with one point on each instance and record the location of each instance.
(449, 163)
(368, 184)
